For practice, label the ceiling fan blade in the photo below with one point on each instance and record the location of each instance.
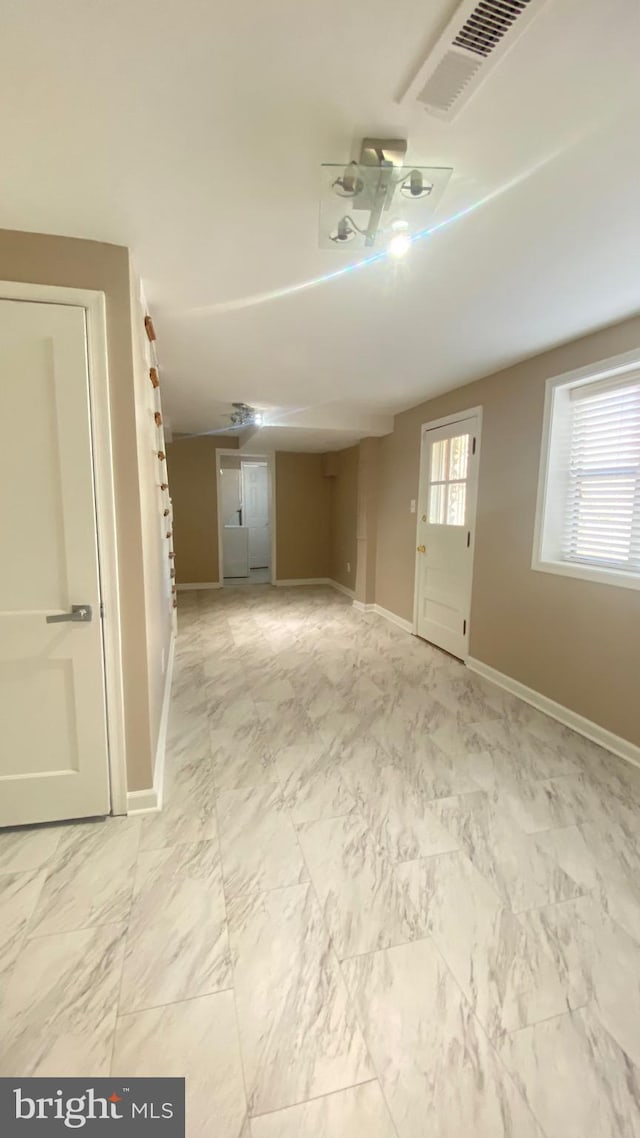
(213, 431)
(265, 423)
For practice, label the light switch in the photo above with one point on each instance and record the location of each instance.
(412, 506)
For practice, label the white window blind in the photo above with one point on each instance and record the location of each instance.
(602, 515)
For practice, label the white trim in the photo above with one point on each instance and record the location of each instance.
(98, 367)
(150, 800)
(142, 801)
(270, 460)
(360, 606)
(587, 573)
(198, 585)
(405, 625)
(615, 366)
(341, 588)
(161, 745)
(303, 581)
(572, 719)
(317, 581)
(448, 420)
(605, 368)
(435, 424)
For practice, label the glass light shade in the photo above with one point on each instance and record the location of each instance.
(378, 202)
(399, 245)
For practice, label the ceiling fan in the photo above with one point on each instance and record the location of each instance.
(241, 416)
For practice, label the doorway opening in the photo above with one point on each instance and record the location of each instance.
(246, 523)
(445, 535)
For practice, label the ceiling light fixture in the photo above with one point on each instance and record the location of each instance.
(401, 240)
(343, 232)
(349, 184)
(399, 245)
(245, 416)
(415, 186)
(377, 185)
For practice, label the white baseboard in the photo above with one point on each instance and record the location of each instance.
(362, 607)
(199, 585)
(304, 581)
(393, 617)
(341, 588)
(317, 581)
(579, 723)
(150, 800)
(142, 801)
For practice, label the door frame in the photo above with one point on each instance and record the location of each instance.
(271, 467)
(434, 424)
(94, 306)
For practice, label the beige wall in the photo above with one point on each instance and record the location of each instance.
(344, 511)
(303, 511)
(367, 525)
(192, 484)
(577, 642)
(303, 517)
(72, 263)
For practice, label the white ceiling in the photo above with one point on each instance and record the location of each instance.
(194, 131)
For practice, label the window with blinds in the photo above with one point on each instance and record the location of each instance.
(602, 509)
(588, 513)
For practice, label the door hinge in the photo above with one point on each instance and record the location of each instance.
(101, 610)
(473, 447)
(464, 628)
(468, 538)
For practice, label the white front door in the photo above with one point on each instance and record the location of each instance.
(53, 736)
(446, 523)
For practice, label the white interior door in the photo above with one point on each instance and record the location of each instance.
(255, 512)
(230, 496)
(235, 553)
(53, 736)
(255, 494)
(446, 525)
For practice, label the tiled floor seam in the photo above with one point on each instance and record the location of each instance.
(489, 1040)
(124, 952)
(314, 1098)
(384, 948)
(551, 904)
(172, 1003)
(246, 1121)
(25, 932)
(353, 1006)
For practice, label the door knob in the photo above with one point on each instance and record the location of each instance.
(422, 549)
(80, 614)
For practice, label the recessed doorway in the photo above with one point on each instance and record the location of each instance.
(246, 529)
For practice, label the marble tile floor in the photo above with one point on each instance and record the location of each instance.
(384, 899)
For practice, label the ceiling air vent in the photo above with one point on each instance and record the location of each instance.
(477, 37)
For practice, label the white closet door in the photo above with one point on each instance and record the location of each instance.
(53, 737)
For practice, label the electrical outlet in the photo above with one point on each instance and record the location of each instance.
(412, 506)
(348, 566)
